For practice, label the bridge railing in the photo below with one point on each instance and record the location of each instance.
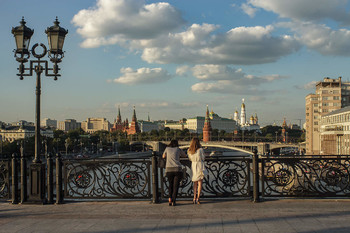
(107, 179)
(5, 180)
(141, 178)
(326, 176)
(228, 177)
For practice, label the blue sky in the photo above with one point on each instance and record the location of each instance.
(170, 59)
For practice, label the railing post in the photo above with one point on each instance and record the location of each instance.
(155, 177)
(49, 164)
(255, 177)
(59, 191)
(14, 179)
(24, 191)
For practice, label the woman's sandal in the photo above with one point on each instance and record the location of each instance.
(198, 202)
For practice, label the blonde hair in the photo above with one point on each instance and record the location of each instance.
(194, 146)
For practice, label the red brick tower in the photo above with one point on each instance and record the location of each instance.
(207, 128)
(134, 127)
(118, 124)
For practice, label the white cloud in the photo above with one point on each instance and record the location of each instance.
(321, 38)
(307, 86)
(248, 9)
(113, 20)
(150, 104)
(142, 76)
(216, 72)
(241, 45)
(182, 70)
(229, 80)
(306, 9)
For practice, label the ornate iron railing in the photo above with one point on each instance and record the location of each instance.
(5, 179)
(306, 176)
(228, 177)
(107, 179)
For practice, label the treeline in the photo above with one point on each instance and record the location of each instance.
(77, 141)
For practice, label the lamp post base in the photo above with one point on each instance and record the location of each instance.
(37, 184)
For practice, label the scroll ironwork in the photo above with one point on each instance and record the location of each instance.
(228, 177)
(313, 177)
(104, 179)
(4, 179)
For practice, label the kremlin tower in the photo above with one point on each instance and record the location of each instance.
(207, 127)
(124, 126)
(134, 127)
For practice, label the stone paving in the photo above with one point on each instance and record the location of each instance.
(286, 215)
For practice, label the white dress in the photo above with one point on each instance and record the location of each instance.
(198, 167)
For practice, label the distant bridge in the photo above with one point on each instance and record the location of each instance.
(246, 147)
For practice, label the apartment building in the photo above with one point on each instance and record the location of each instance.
(331, 94)
(68, 124)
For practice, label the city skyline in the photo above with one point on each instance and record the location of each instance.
(172, 58)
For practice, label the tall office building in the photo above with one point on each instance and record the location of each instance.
(331, 94)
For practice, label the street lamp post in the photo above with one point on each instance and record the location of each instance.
(56, 36)
(276, 136)
(66, 145)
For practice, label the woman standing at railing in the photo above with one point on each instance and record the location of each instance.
(196, 156)
(173, 169)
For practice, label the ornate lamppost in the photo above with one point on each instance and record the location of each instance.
(56, 36)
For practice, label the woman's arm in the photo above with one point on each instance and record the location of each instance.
(201, 154)
(164, 154)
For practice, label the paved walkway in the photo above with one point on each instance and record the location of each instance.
(288, 215)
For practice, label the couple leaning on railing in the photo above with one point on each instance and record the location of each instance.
(174, 169)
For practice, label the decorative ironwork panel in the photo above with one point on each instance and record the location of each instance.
(107, 179)
(306, 177)
(228, 177)
(4, 179)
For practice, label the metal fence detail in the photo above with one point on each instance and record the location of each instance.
(313, 177)
(5, 180)
(228, 177)
(107, 179)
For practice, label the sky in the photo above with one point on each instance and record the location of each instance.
(170, 59)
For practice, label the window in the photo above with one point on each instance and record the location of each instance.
(324, 98)
(336, 98)
(324, 92)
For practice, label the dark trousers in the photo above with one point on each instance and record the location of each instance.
(174, 179)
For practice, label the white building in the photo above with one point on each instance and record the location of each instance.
(92, 125)
(180, 125)
(13, 133)
(335, 132)
(252, 124)
(196, 124)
